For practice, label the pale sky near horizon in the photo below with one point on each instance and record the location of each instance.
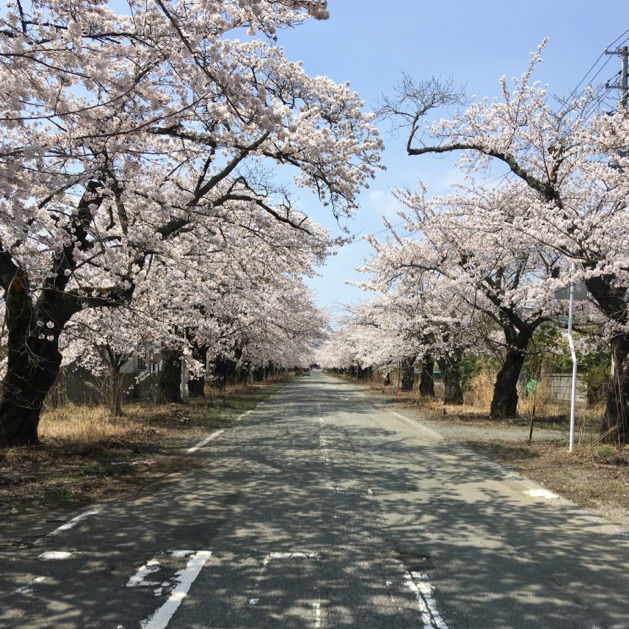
(369, 43)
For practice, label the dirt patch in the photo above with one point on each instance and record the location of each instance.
(86, 456)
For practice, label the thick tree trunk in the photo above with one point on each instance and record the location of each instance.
(451, 373)
(426, 380)
(612, 301)
(34, 325)
(33, 360)
(387, 379)
(32, 370)
(504, 404)
(615, 427)
(169, 383)
(408, 374)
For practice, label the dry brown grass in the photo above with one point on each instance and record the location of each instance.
(481, 390)
(85, 425)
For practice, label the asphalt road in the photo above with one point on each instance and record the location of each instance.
(323, 508)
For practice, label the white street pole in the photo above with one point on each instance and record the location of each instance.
(573, 397)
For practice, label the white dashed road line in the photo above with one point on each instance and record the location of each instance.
(290, 555)
(139, 578)
(74, 521)
(203, 442)
(216, 433)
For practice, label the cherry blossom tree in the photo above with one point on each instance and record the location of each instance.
(130, 130)
(460, 252)
(571, 165)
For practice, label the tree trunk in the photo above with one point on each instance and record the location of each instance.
(114, 382)
(115, 391)
(196, 386)
(612, 300)
(32, 370)
(615, 427)
(169, 383)
(408, 374)
(451, 373)
(387, 379)
(33, 361)
(505, 401)
(426, 380)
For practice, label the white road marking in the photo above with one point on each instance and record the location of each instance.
(24, 590)
(139, 578)
(290, 555)
(185, 578)
(209, 438)
(53, 555)
(541, 493)
(419, 426)
(74, 521)
(244, 414)
(418, 584)
(181, 553)
(323, 443)
(317, 610)
(299, 554)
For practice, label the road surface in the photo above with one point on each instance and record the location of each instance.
(323, 508)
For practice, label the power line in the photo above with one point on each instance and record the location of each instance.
(594, 64)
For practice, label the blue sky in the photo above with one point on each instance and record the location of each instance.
(370, 42)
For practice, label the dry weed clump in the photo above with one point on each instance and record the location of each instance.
(83, 425)
(481, 390)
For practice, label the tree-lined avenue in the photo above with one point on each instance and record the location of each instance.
(325, 508)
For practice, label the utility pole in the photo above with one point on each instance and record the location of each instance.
(624, 80)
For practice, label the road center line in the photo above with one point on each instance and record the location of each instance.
(185, 578)
(209, 438)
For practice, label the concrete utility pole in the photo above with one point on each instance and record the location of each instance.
(624, 80)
